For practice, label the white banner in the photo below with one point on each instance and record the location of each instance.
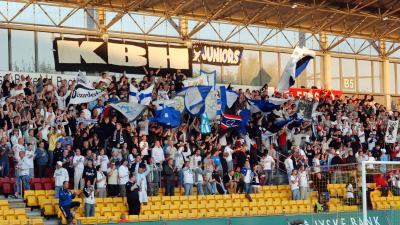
(84, 91)
(391, 131)
(84, 95)
(130, 110)
(56, 78)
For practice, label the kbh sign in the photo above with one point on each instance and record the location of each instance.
(117, 56)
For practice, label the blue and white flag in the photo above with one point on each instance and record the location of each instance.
(297, 63)
(279, 123)
(194, 99)
(211, 77)
(145, 95)
(205, 127)
(132, 111)
(261, 106)
(167, 117)
(228, 98)
(133, 94)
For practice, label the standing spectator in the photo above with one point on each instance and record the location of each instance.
(188, 179)
(153, 177)
(141, 180)
(157, 153)
(229, 159)
(123, 177)
(199, 178)
(23, 174)
(5, 151)
(30, 156)
(101, 182)
(65, 201)
(103, 161)
(60, 176)
(78, 163)
(88, 192)
(255, 183)
(89, 172)
(42, 159)
(289, 165)
(132, 193)
(267, 164)
(112, 174)
(303, 183)
(294, 185)
(247, 178)
(169, 177)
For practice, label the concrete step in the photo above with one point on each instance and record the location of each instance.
(34, 213)
(16, 205)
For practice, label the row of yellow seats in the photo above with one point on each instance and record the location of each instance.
(22, 222)
(343, 208)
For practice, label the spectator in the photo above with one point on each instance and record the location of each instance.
(65, 201)
(289, 165)
(88, 192)
(42, 160)
(199, 178)
(303, 183)
(78, 163)
(132, 192)
(267, 164)
(169, 177)
(153, 177)
(294, 185)
(141, 180)
(89, 172)
(60, 176)
(112, 184)
(247, 177)
(188, 179)
(5, 151)
(123, 177)
(22, 171)
(101, 182)
(230, 182)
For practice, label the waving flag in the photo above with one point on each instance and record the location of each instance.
(279, 123)
(195, 98)
(145, 95)
(261, 106)
(167, 117)
(131, 111)
(245, 114)
(297, 63)
(205, 127)
(84, 91)
(133, 94)
(228, 97)
(230, 121)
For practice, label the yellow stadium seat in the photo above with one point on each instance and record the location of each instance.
(28, 193)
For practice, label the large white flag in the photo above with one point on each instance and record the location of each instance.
(84, 91)
(130, 110)
(391, 131)
(297, 63)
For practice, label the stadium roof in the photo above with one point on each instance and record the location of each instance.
(372, 19)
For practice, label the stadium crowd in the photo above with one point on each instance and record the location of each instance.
(92, 147)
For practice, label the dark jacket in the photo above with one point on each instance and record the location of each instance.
(169, 174)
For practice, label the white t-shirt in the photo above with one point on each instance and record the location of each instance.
(29, 154)
(99, 176)
(103, 161)
(60, 175)
(230, 152)
(78, 162)
(123, 175)
(144, 148)
(370, 159)
(247, 177)
(144, 127)
(267, 162)
(158, 154)
(188, 176)
(303, 180)
(294, 182)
